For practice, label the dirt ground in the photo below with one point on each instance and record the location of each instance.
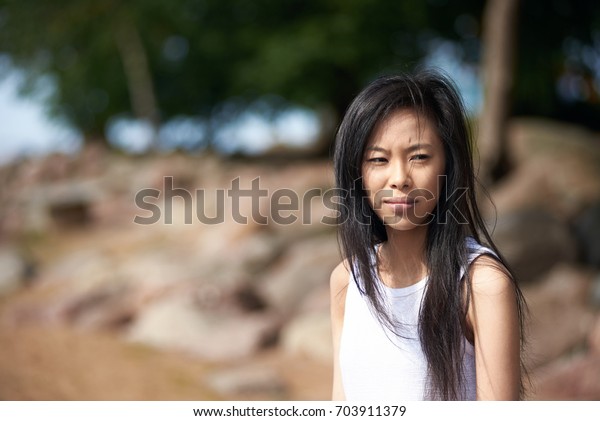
(59, 364)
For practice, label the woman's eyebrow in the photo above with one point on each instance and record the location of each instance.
(418, 146)
(411, 148)
(376, 149)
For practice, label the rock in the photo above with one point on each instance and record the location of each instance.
(83, 289)
(231, 257)
(556, 168)
(56, 167)
(105, 308)
(525, 187)
(102, 307)
(533, 241)
(587, 230)
(157, 268)
(82, 270)
(595, 292)
(530, 137)
(176, 323)
(304, 266)
(306, 184)
(65, 204)
(574, 378)
(75, 212)
(309, 335)
(559, 315)
(594, 337)
(248, 382)
(92, 160)
(317, 300)
(13, 270)
(562, 186)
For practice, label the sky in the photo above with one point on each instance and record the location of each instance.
(25, 129)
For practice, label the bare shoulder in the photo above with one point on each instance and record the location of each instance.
(493, 325)
(494, 298)
(340, 277)
(489, 277)
(338, 286)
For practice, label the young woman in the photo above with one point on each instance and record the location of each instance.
(423, 305)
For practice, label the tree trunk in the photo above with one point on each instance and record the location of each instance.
(139, 78)
(499, 36)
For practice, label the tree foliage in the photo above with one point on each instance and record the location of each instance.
(558, 60)
(158, 59)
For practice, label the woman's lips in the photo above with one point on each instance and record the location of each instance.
(399, 200)
(400, 204)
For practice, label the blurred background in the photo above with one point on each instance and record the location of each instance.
(102, 99)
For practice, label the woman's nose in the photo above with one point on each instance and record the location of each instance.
(400, 176)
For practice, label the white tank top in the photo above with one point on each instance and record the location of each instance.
(377, 365)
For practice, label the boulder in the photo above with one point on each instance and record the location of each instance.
(178, 323)
(533, 241)
(231, 257)
(92, 290)
(104, 308)
(595, 292)
(559, 317)
(587, 231)
(305, 266)
(531, 137)
(157, 267)
(13, 270)
(556, 167)
(563, 186)
(309, 335)
(247, 382)
(80, 270)
(64, 204)
(571, 378)
(594, 337)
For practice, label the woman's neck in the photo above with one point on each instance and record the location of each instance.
(402, 257)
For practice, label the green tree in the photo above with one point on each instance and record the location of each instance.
(558, 43)
(155, 59)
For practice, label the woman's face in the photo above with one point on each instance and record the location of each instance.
(400, 169)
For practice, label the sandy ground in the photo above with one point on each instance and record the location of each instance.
(60, 364)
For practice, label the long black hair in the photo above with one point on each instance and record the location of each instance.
(434, 97)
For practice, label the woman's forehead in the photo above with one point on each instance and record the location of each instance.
(404, 126)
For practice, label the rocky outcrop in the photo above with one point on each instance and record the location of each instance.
(215, 334)
(13, 270)
(533, 241)
(229, 292)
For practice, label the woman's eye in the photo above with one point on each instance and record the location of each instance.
(377, 160)
(419, 157)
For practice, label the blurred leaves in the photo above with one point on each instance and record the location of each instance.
(201, 54)
(547, 32)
